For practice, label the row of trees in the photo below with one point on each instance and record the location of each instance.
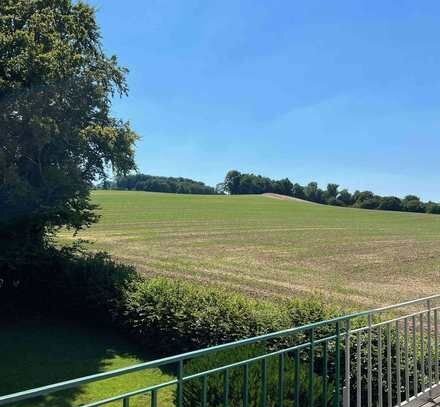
(142, 182)
(238, 183)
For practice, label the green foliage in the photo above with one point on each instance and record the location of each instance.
(390, 203)
(314, 193)
(193, 389)
(298, 191)
(432, 207)
(345, 197)
(67, 280)
(283, 187)
(142, 182)
(232, 182)
(412, 203)
(57, 134)
(332, 191)
(238, 183)
(185, 317)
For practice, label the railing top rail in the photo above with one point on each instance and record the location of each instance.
(188, 355)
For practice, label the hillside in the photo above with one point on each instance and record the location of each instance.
(273, 247)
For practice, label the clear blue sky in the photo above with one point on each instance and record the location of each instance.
(332, 91)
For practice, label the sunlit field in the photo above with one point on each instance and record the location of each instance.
(268, 247)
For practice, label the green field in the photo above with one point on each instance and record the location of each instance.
(40, 352)
(269, 247)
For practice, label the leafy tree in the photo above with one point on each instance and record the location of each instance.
(232, 182)
(412, 203)
(332, 190)
(367, 200)
(390, 203)
(298, 191)
(238, 183)
(220, 188)
(432, 207)
(345, 197)
(143, 182)
(334, 201)
(283, 187)
(313, 193)
(57, 133)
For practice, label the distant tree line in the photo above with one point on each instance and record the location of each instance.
(237, 183)
(143, 182)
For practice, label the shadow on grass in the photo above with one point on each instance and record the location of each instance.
(37, 352)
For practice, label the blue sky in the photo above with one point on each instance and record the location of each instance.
(331, 91)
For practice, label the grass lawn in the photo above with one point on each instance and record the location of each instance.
(37, 353)
(270, 247)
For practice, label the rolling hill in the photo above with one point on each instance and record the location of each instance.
(270, 247)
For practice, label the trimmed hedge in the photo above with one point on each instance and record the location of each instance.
(183, 317)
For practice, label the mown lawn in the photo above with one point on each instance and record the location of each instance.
(40, 352)
(270, 247)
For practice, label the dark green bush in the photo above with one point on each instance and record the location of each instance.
(179, 316)
(193, 389)
(60, 281)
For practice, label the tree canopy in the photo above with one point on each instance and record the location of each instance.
(238, 183)
(57, 132)
(142, 182)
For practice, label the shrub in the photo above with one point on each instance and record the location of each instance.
(185, 317)
(432, 207)
(192, 390)
(67, 280)
(390, 203)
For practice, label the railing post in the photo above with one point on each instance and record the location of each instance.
(369, 365)
(346, 400)
(180, 384)
(429, 350)
(312, 366)
(338, 365)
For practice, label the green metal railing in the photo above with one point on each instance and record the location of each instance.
(383, 357)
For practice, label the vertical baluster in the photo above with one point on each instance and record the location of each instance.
(281, 380)
(154, 398)
(205, 391)
(422, 354)
(246, 385)
(369, 364)
(263, 382)
(226, 388)
(297, 378)
(379, 367)
(180, 384)
(437, 378)
(126, 402)
(311, 366)
(359, 370)
(398, 377)
(325, 373)
(338, 365)
(389, 367)
(406, 362)
(415, 359)
(429, 348)
(347, 363)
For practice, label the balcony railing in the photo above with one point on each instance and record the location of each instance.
(383, 357)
